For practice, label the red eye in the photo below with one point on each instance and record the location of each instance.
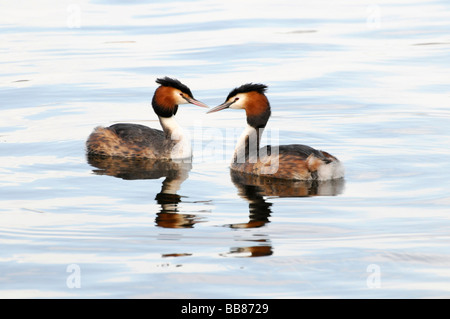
(236, 99)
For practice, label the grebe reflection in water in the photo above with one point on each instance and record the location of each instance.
(255, 189)
(175, 174)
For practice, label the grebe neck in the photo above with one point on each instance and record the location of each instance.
(173, 131)
(247, 147)
(258, 114)
(169, 125)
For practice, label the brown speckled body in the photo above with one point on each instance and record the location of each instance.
(129, 140)
(291, 162)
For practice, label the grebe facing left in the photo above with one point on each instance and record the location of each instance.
(290, 162)
(134, 140)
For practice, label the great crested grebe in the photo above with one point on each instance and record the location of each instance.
(134, 140)
(290, 162)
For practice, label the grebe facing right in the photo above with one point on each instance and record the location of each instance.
(134, 140)
(290, 162)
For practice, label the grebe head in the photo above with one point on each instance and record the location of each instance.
(252, 99)
(169, 95)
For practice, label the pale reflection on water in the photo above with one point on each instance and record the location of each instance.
(366, 82)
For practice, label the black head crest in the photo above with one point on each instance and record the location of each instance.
(166, 81)
(249, 87)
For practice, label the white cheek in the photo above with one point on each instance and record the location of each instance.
(179, 99)
(239, 104)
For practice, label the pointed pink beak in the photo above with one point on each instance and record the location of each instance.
(220, 107)
(195, 102)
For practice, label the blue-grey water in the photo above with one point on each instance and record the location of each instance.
(367, 81)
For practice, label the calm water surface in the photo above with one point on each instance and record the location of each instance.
(368, 82)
